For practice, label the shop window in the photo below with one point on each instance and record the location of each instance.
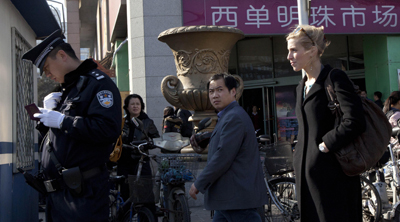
(285, 112)
(356, 52)
(255, 58)
(336, 53)
(232, 66)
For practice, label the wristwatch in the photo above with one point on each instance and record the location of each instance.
(322, 148)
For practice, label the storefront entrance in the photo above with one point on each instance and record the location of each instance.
(261, 101)
(274, 107)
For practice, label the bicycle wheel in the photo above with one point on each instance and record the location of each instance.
(371, 201)
(180, 209)
(142, 214)
(284, 190)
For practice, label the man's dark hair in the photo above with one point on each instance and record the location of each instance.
(378, 94)
(168, 111)
(230, 81)
(126, 104)
(66, 47)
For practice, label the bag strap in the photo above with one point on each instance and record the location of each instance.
(53, 157)
(333, 103)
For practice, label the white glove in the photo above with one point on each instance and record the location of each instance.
(50, 101)
(50, 118)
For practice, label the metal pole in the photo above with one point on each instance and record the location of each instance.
(302, 11)
(303, 17)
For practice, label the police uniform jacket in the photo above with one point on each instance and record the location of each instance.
(91, 103)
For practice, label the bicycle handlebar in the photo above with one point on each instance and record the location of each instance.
(139, 146)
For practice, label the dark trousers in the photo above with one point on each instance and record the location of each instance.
(62, 206)
(246, 215)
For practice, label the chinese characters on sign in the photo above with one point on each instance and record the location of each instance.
(275, 17)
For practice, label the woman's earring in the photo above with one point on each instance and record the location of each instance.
(311, 67)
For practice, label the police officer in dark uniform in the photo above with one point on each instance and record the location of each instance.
(79, 124)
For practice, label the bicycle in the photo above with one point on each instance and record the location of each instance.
(174, 170)
(277, 161)
(387, 187)
(133, 208)
(371, 201)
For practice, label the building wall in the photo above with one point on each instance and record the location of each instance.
(113, 9)
(149, 59)
(73, 23)
(122, 67)
(18, 201)
(105, 34)
(381, 59)
(394, 61)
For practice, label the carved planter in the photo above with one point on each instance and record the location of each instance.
(199, 53)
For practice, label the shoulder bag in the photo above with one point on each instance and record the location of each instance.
(366, 150)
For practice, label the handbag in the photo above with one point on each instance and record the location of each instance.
(366, 150)
(117, 151)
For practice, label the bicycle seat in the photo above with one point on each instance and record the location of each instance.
(117, 179)
(172, 141)
(264, 138)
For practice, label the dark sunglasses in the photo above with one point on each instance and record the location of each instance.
(301, 29)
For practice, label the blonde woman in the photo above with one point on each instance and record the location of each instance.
(324, 192)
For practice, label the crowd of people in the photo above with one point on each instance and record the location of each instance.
(81, 120)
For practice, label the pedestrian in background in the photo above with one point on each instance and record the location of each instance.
(129, 161)
(232, 181)
(187, 126)
(324, 192)
(392, 111)
(255, 118)
(79, 123)
(377, 99)
(171, 123)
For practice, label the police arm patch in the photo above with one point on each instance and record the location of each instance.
(106, 98)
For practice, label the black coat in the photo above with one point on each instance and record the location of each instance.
(324, 192)
(129, 161)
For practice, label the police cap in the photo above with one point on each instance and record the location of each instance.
(38, 54)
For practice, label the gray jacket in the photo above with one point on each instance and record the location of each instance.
(233, 177)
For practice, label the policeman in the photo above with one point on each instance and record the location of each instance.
(79, 124)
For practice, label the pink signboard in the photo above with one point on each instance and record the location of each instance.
(278, 16)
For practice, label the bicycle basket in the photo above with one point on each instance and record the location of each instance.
(178, 168)
(279, 158)
(141, 190)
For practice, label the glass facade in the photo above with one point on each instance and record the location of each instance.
(270, 81)
(255, 58)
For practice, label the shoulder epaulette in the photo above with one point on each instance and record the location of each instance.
(96, 75)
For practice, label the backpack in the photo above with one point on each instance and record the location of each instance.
(366, 150)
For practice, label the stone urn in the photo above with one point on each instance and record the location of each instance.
(199, 53)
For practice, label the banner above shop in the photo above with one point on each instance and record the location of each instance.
(277, 16)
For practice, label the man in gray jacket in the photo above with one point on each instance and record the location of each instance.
(232, 181)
